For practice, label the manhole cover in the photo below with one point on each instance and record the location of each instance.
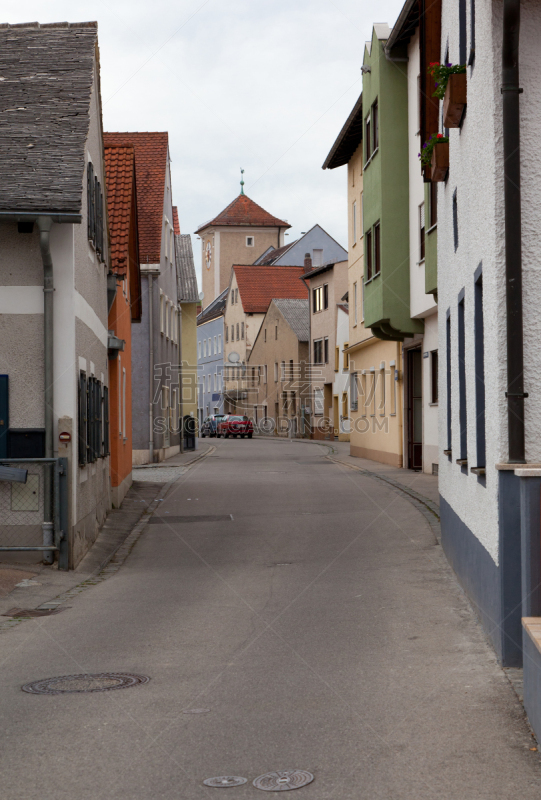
(27, 613)
(223, 781)
(196, 711)
(284, 780)
(69, 684)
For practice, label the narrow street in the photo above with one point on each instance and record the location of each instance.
(312, 613)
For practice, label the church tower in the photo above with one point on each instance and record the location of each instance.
(238, 235)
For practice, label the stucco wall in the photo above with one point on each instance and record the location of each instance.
(315, 239)
(211, 364)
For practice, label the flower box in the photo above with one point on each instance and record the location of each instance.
(440, 161)
(454, 100)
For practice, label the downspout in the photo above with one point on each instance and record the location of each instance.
(151, 369)
(513, 234)
(44, 225)
(180, 373)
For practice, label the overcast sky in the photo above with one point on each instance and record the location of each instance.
(261, 84)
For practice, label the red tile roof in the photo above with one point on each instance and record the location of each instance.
(150, 165)
(243, 211)
(259, 285)
(120, 175)
(176, 223)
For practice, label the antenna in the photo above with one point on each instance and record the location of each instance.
(242, 181)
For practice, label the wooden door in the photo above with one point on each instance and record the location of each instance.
(415, 409)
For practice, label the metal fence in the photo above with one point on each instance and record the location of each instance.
(23, 508)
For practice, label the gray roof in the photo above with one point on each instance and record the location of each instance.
(297, 315)
(215, 309)
(46, 74)
(187, 280)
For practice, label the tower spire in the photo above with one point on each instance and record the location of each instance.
(242, 181)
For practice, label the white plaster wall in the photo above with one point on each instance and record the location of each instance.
(476, 173)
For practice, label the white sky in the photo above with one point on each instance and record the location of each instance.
(261, 84)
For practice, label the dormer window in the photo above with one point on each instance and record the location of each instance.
(249, 241)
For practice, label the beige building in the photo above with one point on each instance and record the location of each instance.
(188, 295)
(375, 365)
(327, 286)
(278, 388)
(239, 235)
(251, 290)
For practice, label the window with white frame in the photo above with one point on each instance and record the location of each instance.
(219, 343)
(204, 348)
(162, 312)
(354, 222)
(318, 402)
(215, 345)
(355, 302)
(199, 349)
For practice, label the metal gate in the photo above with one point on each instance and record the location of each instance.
(23, 504)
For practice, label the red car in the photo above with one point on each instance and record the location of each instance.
(231, 425)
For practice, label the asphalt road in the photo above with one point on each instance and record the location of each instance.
(320, 625)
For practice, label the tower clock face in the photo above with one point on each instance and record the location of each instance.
(208, 255)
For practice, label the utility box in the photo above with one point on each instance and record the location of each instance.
(26, 443)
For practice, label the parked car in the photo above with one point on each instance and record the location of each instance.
(231, 425)
(210, 425)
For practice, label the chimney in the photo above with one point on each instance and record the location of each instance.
(307, 262)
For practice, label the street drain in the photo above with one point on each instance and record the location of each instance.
(196, 711)
(28, 613)
(283, 780)
(223, 781)
(70, 684)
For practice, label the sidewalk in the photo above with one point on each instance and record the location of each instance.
(30, 586)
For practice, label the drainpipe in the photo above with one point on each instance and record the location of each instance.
(513, 234)
(44, 226)
(180, 373)
(151, 369)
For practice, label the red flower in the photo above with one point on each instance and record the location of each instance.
(440, 135)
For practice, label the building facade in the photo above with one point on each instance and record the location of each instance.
(278, 370)
(210, 358)
(320, 246)
(156, 339)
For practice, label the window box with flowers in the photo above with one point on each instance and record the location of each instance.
(435, 154)
(451, 87)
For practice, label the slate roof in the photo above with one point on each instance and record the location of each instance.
(297, 315)
(215, 309)
(243, 211)
(273, 254)
(258, 286)
(349, 138)
(120, 176)
(187, 279)
(46, 74)
(151, 150)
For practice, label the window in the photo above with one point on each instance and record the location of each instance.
(382, 389)
(346, 357)
(232, 333)
(336, 359)
(326, 349)
(367, 137)
(355, 303)
(236, 295)
(226, 331)
(283, 371)
(455, 220)
(162, 313)
(354, 222)
(479, 371)
(362, 214)
(472, 33)
(433, 211)
(462, 413)
(265, 335)
(94, 210)
(238, 337)
(353, 391)
(215, 346)
(199, 349)
(394, 381)
(242, 330)
(434, 376)
(276, 331)
(249, 241)
(372, 395)
(422, 232)
(345, 412)
(318, 402)
(448, 376)
(291, 370)
(462, 31)
(93, 417)
(265, 373)
(375, 126)
(377, 250)
(275, 371)
(363, 394)
(318, 351)
(368, 255)
(219, 342)
(204, 348)
(320, 298)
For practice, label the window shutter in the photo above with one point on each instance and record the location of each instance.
(82, 422)
(106, 450)
(90, 201)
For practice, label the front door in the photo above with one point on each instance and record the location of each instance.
(415, 409)
(4, 416)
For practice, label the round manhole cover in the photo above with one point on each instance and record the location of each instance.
(69, 684)
(223, 781)
(283, 780)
